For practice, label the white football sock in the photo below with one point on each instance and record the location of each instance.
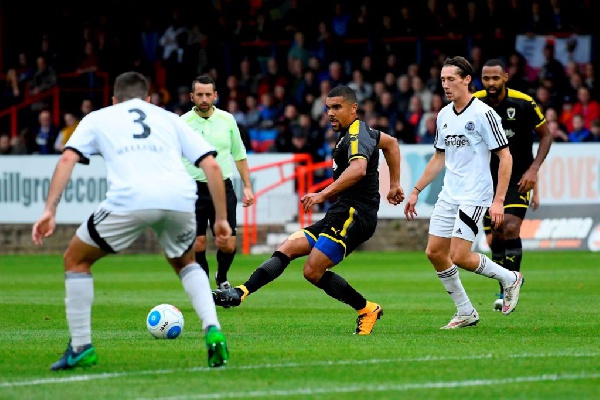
(490, 269)
(196, 285)
(79, 287)
(455, 289)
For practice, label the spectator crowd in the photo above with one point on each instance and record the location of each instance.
(275, 61)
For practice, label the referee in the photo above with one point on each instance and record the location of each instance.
(219, 128)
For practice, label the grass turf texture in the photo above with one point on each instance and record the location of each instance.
(290, 340)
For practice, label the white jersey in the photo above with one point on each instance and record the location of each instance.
(467, 140)
(142, 146)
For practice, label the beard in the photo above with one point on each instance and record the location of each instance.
(495, 94)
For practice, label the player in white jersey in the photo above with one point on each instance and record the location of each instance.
(467, 132)
(148, 187)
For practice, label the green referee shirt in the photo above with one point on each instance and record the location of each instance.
(221, 131)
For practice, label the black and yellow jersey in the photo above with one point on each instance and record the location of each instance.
(359, 141)
(520, 116)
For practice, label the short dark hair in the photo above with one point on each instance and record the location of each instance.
(131, 85)
(205, 80)
(345, 92)
(464, 66)
(494, 62)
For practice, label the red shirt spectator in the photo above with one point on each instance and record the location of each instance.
(588, 108)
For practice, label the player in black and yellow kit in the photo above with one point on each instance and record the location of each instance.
(350, 221)
(521, 117)
(487, 220)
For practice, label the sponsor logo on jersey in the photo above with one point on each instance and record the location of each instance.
(510, 112)
(509, 133)
(456, 141)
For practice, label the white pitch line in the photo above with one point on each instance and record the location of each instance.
(110, 375)
(384, 388)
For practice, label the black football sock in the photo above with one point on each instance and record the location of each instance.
(337, 287)
(224, 261)
(514, 254)
(498, 252)
(201, 260)
(268, 271)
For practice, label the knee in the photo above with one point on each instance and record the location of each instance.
(200, 244)
(434, 254)
(459, 257)
(313, 275)
(73, 263)
(512, 230)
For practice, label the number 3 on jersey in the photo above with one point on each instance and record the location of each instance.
(140, 120)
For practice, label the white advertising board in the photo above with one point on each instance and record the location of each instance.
(570, 176)
(24, 182)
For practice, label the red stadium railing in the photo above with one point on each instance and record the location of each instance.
(250, 231)
(306, 185)
(13, 112)
(54, 96)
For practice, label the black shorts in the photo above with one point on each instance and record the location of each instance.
(205, 210)
(515, 204)
(341, 231)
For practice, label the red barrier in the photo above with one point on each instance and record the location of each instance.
(249, 237)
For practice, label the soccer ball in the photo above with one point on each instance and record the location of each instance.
(165, 321)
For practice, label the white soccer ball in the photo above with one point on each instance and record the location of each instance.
(165, 321)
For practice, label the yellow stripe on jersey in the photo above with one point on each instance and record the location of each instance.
(480, 94)
(353, 131)
(354, 128)
(348, 222)
(520, 95)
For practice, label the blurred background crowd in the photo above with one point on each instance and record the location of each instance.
(274, 62)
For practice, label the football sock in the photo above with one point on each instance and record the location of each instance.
(79, 287)
(196, 285)
(498, 251)
(268, 271)
(498, 254)
(201, 260)
(224, 261)
(337, 287)
(514, 254)
(451, 281)
(490, 269)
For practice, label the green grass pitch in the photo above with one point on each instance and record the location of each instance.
(291, 341)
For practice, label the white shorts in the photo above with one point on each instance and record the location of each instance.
(448, 220)
(115, 231)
